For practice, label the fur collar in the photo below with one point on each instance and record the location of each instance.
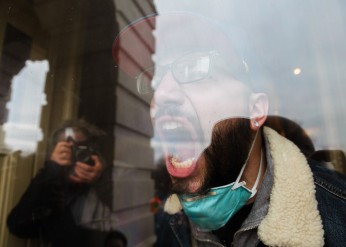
(293, 218)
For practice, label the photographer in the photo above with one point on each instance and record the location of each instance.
(52, 207)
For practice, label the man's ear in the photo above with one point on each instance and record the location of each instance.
(258, 110)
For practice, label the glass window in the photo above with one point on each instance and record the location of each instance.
(106, 107)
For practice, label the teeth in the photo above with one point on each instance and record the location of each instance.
(171, 125)
(187, 163)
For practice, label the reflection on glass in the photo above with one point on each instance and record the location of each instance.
(22, 130)
(197, 73)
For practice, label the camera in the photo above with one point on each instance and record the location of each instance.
(83, 154)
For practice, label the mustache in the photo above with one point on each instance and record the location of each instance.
(174, 111)
(170, 110)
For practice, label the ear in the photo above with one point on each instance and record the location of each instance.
(258, 110)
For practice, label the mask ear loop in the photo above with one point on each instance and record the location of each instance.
(236, 183)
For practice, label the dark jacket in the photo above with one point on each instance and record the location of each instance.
(47, 209)
(331, 197)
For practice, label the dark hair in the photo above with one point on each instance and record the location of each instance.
(293, 132)
(92, 133)
(116, 235)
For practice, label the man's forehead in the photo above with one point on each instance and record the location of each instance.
(179, 34)
(167, 35)
(166, 56)
(182, 30)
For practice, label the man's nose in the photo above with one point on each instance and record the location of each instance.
(169, 91)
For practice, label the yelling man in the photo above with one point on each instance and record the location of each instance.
(239, 183)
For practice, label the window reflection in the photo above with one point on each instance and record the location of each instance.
(22, 131)
(297, 53)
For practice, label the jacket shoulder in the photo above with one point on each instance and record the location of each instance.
(331, 201)
(329, 180)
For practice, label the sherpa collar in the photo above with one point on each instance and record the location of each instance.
(293, 218)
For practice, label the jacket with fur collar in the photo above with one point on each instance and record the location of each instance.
(293, 215)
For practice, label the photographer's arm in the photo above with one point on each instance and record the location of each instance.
(83, 173)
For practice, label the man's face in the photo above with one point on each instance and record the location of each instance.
(201, 124)
(200, 111)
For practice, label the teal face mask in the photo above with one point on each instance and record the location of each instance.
(213, 210)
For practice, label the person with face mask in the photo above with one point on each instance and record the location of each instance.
(238, 182)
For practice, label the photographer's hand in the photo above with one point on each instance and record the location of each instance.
(62, 153)
(84, 173)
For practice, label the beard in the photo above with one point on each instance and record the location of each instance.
(230, 145)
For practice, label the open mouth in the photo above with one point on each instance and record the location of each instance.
(181, 145)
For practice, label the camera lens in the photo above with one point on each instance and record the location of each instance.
(83, 154)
